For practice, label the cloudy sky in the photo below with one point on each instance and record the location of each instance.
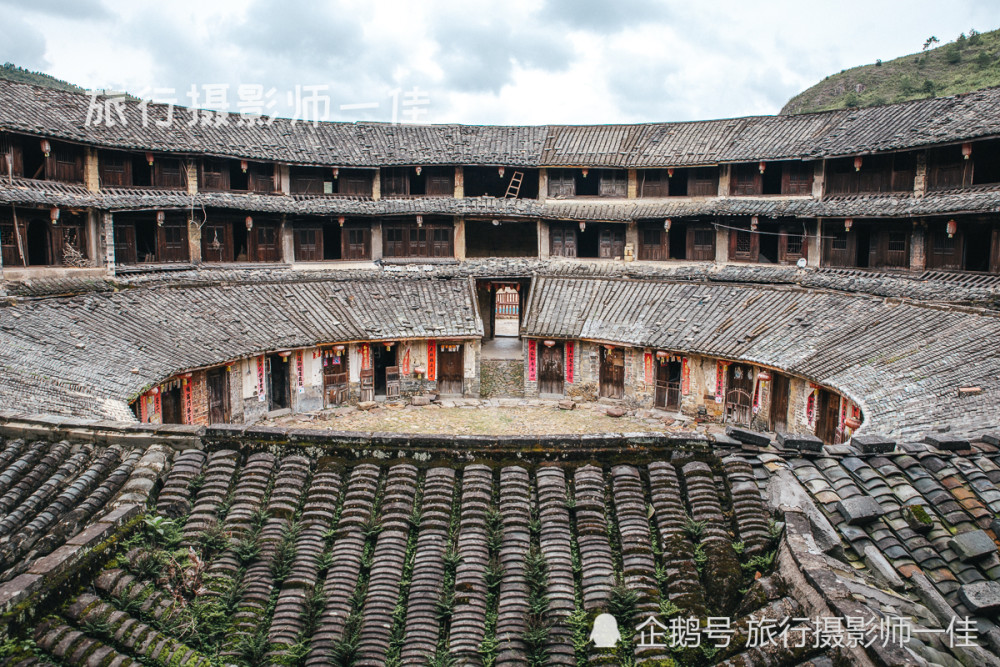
(513, 62)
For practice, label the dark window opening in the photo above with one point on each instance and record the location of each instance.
(39, 243)
(840, 240)
(978, 242)
(487, 182)
(507, 239)
(279, 394)
(768, 251)
(986, 162)
(430, 182)
(678, 185)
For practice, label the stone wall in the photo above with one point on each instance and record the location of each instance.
(502, 378)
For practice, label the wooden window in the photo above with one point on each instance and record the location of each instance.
(394, 241)
(701, 243)
(653, 183)
(261, 178)
(791, 245)
(703, 182)
(653, 244)
(357, 243)
(611, 243)
(613, 183)
(562, 183)
(441, 242)
(213, 175)
(174, 243)
(11, 253)
(305, 181)
(744, 245)
(839, 241)
(308, 244)
(115, 170)
(948, 169)
(396, 182)
(169, 173)
(409, 240)
(745, 180)
(356, 183)
(797, 178)
(64, 164)
(563, 241)
(417, 246)
(440, 182)
(11, 160)
(265, 239)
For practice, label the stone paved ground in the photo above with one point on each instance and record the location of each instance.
(487, 417)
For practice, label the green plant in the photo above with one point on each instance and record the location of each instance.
(693, 529)
(246, 550)
(760, 563)
(739, 547)
(700, 558)
(668, 609)
(622, 603)
(214, 538)
(162, 531)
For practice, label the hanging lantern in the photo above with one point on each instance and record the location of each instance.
(848, 223)
(583, 226)
(336, 172)
(340, 221)
(852, 423)
(149, 158)
(389, 344)
(753, 224)
(763, 375)
(420, 221)
(284, 354)
(951, 228)
(249, 222)
(761, 166)
(548, 343)
(339, 348)
(54, 215)
(609, 347)
(967, 149)
(419, 169)
(496, 223)
(857, 163)
(670, 172)
(585, 171)
(46, 147)
(660, 354)
(243, 166)
(500, 171)
(666, 224)
(160, 217)
(154, 391)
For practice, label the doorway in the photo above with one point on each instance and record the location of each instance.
(550, 369)
(507, 311)
(382, 359)
(277, 370)
(668, 383)
(827, 416)
(450, 369)
(739, 389)
(612, 372)
(170, 405)
(39, 243)
(335, 386)
(778, 415)
(218, 396)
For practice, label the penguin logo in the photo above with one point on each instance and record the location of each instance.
(605, 633)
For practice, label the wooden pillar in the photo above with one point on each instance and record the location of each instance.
(721, 245)
(918, 246)
(543, 239)
(459, 182)
(91, 174)
(723, 186)
(377, 185)
(191, 167)
(194, 238)
(459, 239)
(920, 178)
(108, 226)
(283, 179)
(95, 237)
(287, 240)
(376, 240)
(543, 184)
(815, 246)
(819, 179)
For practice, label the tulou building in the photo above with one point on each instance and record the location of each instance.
(825, 288)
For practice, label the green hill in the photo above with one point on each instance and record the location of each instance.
(12, 72)
(968, 63)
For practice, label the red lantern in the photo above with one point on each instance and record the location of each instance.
(848, 223)
(761, 166)
(340, 220)
(585, 171)
(670, 172)
(857, 163)
(46, 147)
(967, 149)
(500, 171)
(243, 166)
(753, 224)
(249, 221)
(149, 158)
(336, 172)
(666, 224)
(951, 228)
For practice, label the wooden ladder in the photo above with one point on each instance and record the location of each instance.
(514, 187)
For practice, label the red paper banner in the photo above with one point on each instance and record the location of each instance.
(366, 356)
(532, 376)
(158, 407)
(300, 368)
(431, 360)
(404, 368)
(144, 408)
(647, 363)
(570, 361)
(261, 393)
(685, 377)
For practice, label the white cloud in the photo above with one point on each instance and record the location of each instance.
(520, 62)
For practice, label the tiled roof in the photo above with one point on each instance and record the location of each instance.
(890, 205)
(62, 115)
(76, 356)
(902, 363)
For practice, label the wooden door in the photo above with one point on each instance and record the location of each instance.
(827, 416)
(668, 383)
(308, 244)
(218, 396)
(170, 406)
(172, 242)
(739, 392)
(744, 245)
(217, 242)
(612, 373)
(779, 403)
(550, 369)
(356, 243)
(563, 242)
(450, 369)
(264, 244)
(335, 388)
(612, 243)
(279, 385)
(125, 244)
(700, 242)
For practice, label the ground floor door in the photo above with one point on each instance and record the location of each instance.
(170, 406)
(382, 359)
(218, 396)
(279, 386)
(739, 392)
(550, 369)
(335, 389)
(778, 420)
(612, 373)
(827, 416)
(450, 365)
(668, 383)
